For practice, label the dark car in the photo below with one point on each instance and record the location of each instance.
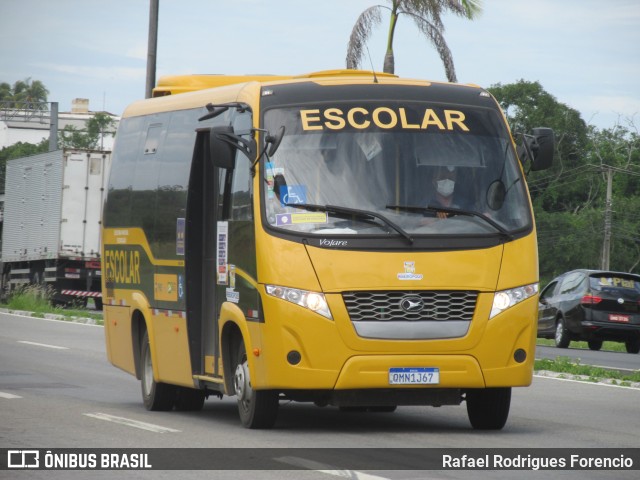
(591, 305)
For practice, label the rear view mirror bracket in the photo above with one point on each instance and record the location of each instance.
(223, 143)
(271, 144)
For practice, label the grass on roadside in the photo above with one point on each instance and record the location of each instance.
(36, 299)
(609, 346)
(566, 365)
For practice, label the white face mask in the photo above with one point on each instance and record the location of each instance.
(445, 187)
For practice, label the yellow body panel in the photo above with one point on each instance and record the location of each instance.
(470, 270)
(333, 356)
(329, 349)
(117, 327)
(170, 348)
(373, 371)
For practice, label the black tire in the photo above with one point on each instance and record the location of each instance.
(488, 408)
(632, 345)
(156, 396)
(257, 408)
(594, 344)
(189, 399)
(562, 334)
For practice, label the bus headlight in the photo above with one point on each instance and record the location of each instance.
(312, 300)
(508, 298)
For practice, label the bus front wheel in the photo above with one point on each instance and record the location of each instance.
(156, 396)
(488, 408)
(257, 408)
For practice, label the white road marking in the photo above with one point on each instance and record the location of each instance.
(43, 345)
(131, 423)
(322, 468)
(9, 395)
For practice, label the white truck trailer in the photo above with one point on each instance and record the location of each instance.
(51, 231)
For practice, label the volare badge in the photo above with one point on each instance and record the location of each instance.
(409, 272)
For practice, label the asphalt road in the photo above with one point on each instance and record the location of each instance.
(57, 390)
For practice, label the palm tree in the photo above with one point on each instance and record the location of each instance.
(25, 94)
(427, 16)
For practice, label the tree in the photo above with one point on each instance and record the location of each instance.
(91, 138)
(528, 105)
(569, 200)
(25, 94)
(427, 14)
(615, 155)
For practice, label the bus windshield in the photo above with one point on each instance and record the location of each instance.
(389, 168)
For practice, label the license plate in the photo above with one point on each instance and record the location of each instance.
(414, 376)
(618, 318)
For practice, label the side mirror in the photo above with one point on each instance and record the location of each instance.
(543, 157)
(222, 152)
(274, 141)
(538, 148)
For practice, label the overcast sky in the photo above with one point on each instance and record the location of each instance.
(586, 53)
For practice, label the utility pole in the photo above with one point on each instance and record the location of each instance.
(152, 46)
(606, 244)
(53, 127)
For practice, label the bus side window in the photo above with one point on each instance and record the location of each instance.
(224, 181)
(241, 189)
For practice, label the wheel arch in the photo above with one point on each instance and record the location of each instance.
(230, 340)
(138, 328)
(233, 331)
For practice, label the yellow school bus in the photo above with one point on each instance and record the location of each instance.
(345, 238)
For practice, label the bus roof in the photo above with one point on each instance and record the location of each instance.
(174, 84)
(180, 92)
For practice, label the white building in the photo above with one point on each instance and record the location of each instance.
(32, 126)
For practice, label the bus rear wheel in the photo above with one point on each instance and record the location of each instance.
(156, 396)
(257, 408)
(488, 408)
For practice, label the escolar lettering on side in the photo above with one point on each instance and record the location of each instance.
(122, 266)
(381, 117)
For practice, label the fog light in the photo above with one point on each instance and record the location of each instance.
(519, 355)
(294, 357)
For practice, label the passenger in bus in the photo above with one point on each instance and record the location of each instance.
(443, 189)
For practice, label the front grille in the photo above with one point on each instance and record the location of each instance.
(411, 306)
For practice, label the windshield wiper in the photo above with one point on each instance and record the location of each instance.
(454, 211)
(362, 214)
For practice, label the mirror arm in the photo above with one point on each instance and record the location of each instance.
(269, 141)
(255, 162)
(245, 146)
(215, 110)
